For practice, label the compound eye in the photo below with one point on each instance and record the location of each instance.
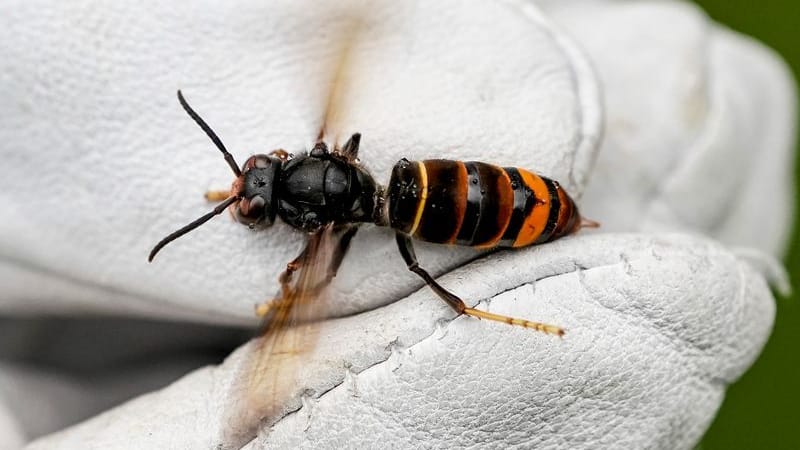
(252, 208)
(257, 204)
(258, 162)
(262, 161)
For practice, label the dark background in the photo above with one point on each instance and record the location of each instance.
(762, 410)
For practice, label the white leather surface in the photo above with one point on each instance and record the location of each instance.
(655, 330)
(90, 117)
(100, 162)
(699, 124)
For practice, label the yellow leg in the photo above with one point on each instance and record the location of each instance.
(263, 309)
(407, 251)
(538, 326)
(285, 278)
(217, 196)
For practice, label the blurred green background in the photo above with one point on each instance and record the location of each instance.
(762, 410)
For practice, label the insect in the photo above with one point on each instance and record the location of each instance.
(328, 195)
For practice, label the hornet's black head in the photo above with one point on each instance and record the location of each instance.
(256, 189)
(253, 195)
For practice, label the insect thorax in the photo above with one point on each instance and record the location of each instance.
(319, 190)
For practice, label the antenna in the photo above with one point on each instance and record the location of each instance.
(196, 223)
(210, 133)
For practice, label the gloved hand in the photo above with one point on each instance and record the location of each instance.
(101, 163)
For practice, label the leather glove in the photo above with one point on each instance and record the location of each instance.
(101, 163)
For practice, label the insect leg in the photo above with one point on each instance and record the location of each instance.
(350, 149)
(216, 196)
(406, 248)
(337, 257)
(281, 154)
(285, 278)
(339, 252)
(262, 309)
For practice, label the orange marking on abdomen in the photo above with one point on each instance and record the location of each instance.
(536, 220)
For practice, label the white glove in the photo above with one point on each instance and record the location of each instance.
(101, 163)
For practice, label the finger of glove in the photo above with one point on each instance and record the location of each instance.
(700, 124)
(657, 326)
(100, 162)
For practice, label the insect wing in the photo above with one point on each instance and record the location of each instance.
(346, 50)
(266, 386)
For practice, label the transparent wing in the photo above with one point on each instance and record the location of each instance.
(341, 78)
(266, 386)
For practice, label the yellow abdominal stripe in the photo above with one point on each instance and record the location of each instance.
(423, 175)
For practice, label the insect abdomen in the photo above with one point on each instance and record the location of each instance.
(477, 204)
